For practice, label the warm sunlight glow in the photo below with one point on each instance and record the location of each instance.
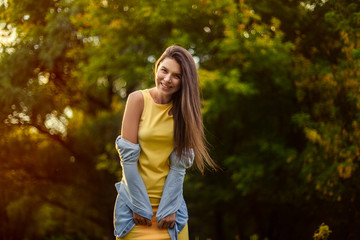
(68, 112)
(56, 124)
(4, 2)
(8, 36)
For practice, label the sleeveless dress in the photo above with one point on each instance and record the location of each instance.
(156, 133)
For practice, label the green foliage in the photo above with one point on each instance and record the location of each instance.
(331, 101)
(322, 233)
(280, 86)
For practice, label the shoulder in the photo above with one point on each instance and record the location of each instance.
(132, 116)
(136, 96)
(136, 99)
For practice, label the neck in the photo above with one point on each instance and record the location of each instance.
(160, 98)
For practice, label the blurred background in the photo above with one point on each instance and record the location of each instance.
(281, 100)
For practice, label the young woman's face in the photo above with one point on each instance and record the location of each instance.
(168, 77)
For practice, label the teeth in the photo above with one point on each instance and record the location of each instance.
(165, 85)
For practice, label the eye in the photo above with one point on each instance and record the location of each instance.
(164, 70)
(178, 76)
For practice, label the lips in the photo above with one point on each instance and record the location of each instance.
(165, 86)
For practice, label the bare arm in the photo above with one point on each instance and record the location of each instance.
(129, 131)
(132, 115)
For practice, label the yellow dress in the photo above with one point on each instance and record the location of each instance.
(156, 133)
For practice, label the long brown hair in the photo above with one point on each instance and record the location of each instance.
(188, 123)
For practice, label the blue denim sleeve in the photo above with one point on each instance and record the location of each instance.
(172, 197)
(123, 219)
(132, 189)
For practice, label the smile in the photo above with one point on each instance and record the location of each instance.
(165, 86)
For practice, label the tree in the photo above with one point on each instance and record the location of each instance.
(280, 87)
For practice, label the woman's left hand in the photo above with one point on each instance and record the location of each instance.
(168, 221)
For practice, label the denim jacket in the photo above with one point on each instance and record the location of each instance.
(133, 197)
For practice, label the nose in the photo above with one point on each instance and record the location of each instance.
(167, 78)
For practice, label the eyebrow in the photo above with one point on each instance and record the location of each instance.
(168, 69)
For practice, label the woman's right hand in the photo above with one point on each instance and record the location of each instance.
(140, 220)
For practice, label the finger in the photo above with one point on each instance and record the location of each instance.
(145, 221)
(160, 223)
(135, 218)
(142, 221)
(148, 222)
(166, 224)
(172, 224)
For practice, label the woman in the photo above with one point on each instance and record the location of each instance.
(162, 133)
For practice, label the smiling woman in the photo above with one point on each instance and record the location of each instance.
(162, 133)
(168, 79)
